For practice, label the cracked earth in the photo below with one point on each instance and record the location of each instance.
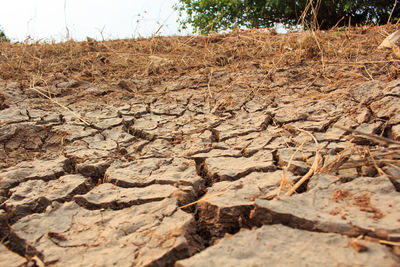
(176, 177)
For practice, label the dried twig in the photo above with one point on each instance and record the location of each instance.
(209, 84)
(377, 138)
(207, 197)
(59, 104)
(380, 171)
(391, 243)
(285, 170)
(391, 12)
(313, 169)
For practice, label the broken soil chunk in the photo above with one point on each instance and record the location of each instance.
(278, 245)
(227, 205)
(242, 124)
(365, 205)
(228, 168)
(153, 234)
(110, 196)
(39, 169)
(36, 195)
(144, 172)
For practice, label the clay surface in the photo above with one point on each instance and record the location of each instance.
(193, 164)
(277, 245)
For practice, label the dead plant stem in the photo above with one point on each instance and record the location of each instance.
(59, 104)
(313, 169)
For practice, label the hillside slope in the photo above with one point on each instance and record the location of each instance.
(244, 149)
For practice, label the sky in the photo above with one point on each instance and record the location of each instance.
(59, 20)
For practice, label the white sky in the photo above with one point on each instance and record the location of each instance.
(47, 19)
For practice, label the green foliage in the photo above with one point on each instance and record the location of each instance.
(3, 37)
(209, 15)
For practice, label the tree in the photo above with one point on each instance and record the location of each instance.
(208, 15)
(3, 37)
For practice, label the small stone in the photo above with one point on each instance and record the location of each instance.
(358, 246)
(364, 116)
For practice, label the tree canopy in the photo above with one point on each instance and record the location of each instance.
(209, 15)
(3, 36)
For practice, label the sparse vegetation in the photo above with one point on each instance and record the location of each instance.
(3, 37)
(212, 15)
(343, 53)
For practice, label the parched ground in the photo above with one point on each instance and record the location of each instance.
(244, 149)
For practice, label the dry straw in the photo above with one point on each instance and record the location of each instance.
(334, 56)
(315, 166)
(59, 104)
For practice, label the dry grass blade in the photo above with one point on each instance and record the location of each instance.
(284, 181)
(391, 13)
(207, 197)
(209, 84)
(60, 105)
(363, 62)
(380, 171)
(391, 243)
(377, 138)
(313, 169)
(392, 165)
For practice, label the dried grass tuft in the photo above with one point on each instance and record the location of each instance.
(335, 53)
